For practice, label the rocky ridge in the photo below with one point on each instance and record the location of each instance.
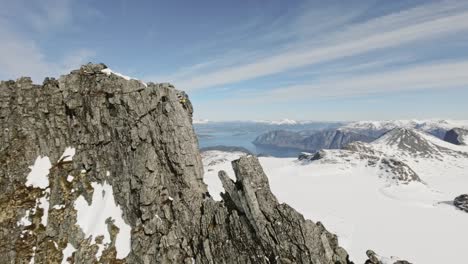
(133, 142)
(457, 136)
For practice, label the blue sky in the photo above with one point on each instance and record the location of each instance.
(244, 60)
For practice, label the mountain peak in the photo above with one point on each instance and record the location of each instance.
(135, 160)
(407, 140)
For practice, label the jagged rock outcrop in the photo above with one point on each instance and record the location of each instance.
(134, 145)
(304, 156)
(457, 136)
(376, 259)
(461, 202)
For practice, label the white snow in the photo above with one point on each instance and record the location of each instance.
(285, 121)
(58, 206)
(44, 204)
(68, 154)
(67, 252)
(420, 124)
(108, 71)
(465, 140)
(24, 221)
(39, 172)
(214, 161)
(31, 261)
(413, 221)
(280, 122)
(92, 218)
(381, 144)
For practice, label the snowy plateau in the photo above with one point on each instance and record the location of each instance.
(394, 195)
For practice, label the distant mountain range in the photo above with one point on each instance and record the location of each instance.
(365, 131)
(279, 122)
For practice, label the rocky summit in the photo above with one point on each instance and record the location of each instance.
(100, 168)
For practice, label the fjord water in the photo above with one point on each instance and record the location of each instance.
(242, 134)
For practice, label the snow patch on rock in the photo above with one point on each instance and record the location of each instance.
(128, 78)
(39, 172)
(68, 154)
(67, 252)
(44, 204)
(92, 218)
(213, 162)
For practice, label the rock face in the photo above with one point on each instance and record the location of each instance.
(461, 202)
(137, 139)
(281, 139)
(327, 139)
(457, 136)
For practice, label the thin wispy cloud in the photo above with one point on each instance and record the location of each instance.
(20, 51)
(423, 23)
(441, 75)
(275, 58)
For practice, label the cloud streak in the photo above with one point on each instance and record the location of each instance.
(20, 52)
(441, 75)
(420, 24)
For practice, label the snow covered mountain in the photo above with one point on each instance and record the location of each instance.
(338, 137)
(419, 124)
(434, 126)
(388, 195)
(413, 143)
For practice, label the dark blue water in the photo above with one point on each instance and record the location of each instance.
(241, 134)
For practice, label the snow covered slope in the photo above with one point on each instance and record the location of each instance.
(414, 143)
(376, 128)
(358, 194)
(419, 124)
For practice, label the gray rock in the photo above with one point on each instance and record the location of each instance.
(374, 258)
(142, 137)
(457, 136)
(400, 170)
(461, 202)
(304, 156)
